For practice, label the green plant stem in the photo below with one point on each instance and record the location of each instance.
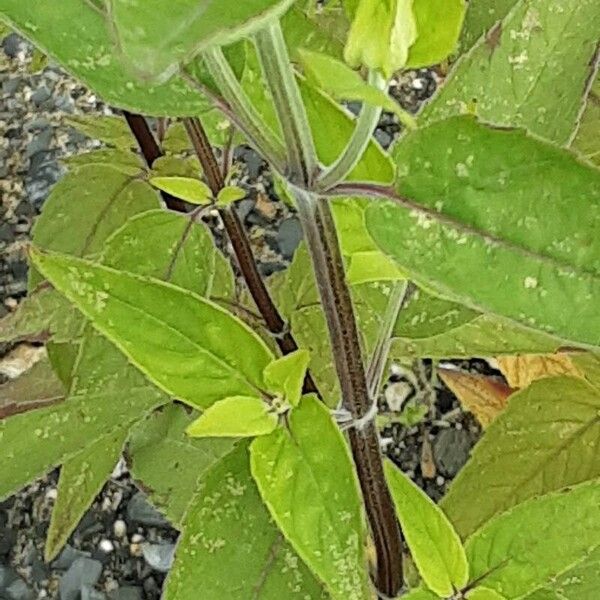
(280, 78)
(241, 246)
(264, 140)
(400, 294)
(322, 241)
(361, 136)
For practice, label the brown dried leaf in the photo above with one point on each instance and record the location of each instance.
(481, 395)
(428, 469)
(520, 371)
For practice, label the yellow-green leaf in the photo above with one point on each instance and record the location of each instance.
(191, 190)
(238, 416)
(433, 542)
(286, 375)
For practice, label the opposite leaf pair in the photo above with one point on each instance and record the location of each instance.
(247, 416)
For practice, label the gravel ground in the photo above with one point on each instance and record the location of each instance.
(122, 548)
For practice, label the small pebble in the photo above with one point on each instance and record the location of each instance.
(120, 528)
(106, 546)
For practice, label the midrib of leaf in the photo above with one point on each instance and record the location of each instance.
(320, 491)
(92, 233)
(178, 248)
(271, 556)
(182, 335)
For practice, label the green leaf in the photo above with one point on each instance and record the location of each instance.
(166, 246)
(88, 52)
(484, 593)
(81, 479)
(342, 83)
(433, 327)
(587, 140)
(227, 531)
(310, 460)
(158, 38)
(439, 23)
(168, 464)
(471, 223)
(175, 166)
(434, 545)
(193, 352)
(113, 131)
(420, 594)
(286, 375)
(371, 266)
(229, 194)
(543, 441)
(481, 16)
(532, 73)
(238, 416)
(35, 442)
(319, 31)
(191, 190)
(214, 122)
(387, 52)
(121, 160)
(44, 314)
(530, 548)
(86, 206)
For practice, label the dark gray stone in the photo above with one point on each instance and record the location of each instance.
(244, 207)
(18, 590)
(83, 572)
(383, 137)
(10, 86)
(289, 236)
(7, 576)
(89, 593)
(127, 593)
(40, 143)
(139, 510)
(12, 45)
(451, 449)
(67, 557)
(41, 95)
(6, 235)
(37, 124)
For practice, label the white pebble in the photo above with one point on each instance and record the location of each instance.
(136, 538)
(106, 546)
(51, 493)
(439, 480)
(119, 528)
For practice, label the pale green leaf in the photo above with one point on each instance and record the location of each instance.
(35, 442)
(238, 416)
(473, 232)
(155, 40)
(167, 463)
(342, 83)
(175, 166)
(531, 547)
(484, 593)
(88, 52)
(214, 122)
(230, 548)
(81, 479)
(310, 460)
(165, 245)
(111, 130)
(64, 356)
(121, 160)
(286, 375)
(229, 194)
(387, 52)
(191, 190)
(193, 352)
(531, 73)
(439, 23)
(433, 542)
(587, 140)
(544, 440)
(372, 266)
